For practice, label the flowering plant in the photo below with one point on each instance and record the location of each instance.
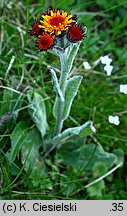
(72, 159)
(60, 32)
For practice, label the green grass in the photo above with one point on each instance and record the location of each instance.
(98, 97)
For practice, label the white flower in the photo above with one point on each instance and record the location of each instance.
(105, 60)
(108, 69)
(114, 120)
(123, 88)
(86, 65)
(9, 6)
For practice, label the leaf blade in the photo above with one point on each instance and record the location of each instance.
(56, 84)
(82, 130)
(71, 91)
(38, 111)
(17, 139)
(71, 53)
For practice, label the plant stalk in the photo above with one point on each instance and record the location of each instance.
(63, 80)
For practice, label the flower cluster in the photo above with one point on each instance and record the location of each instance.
(57, 29)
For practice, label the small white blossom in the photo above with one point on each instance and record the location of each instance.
(108, 69)
(9, 5)
(105, 60)
(86, 65)
(123, 88)
(114, 120)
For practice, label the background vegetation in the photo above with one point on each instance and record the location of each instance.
(23, 67)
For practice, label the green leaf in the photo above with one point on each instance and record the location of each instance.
(56, 84)
(18, 136)
(86, 156)
(96, 190)
(69, 183)
(123, 195)
(55, 108)
(84, 130)
(34, 165)
(31, 146)
(72, 87)
(11, 101)
(6, 105)
(71, 53)
(99, 169)
(120, 155)
(37, 111)
(70, 93)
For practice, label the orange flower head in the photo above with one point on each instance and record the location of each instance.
(56, 21)
(45, 42)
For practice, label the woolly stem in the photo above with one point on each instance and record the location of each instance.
(63, 80)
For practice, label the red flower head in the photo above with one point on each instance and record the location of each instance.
(35, 31)
(76, 33)
(45, 42)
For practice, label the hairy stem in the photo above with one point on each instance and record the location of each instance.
(63, 80)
